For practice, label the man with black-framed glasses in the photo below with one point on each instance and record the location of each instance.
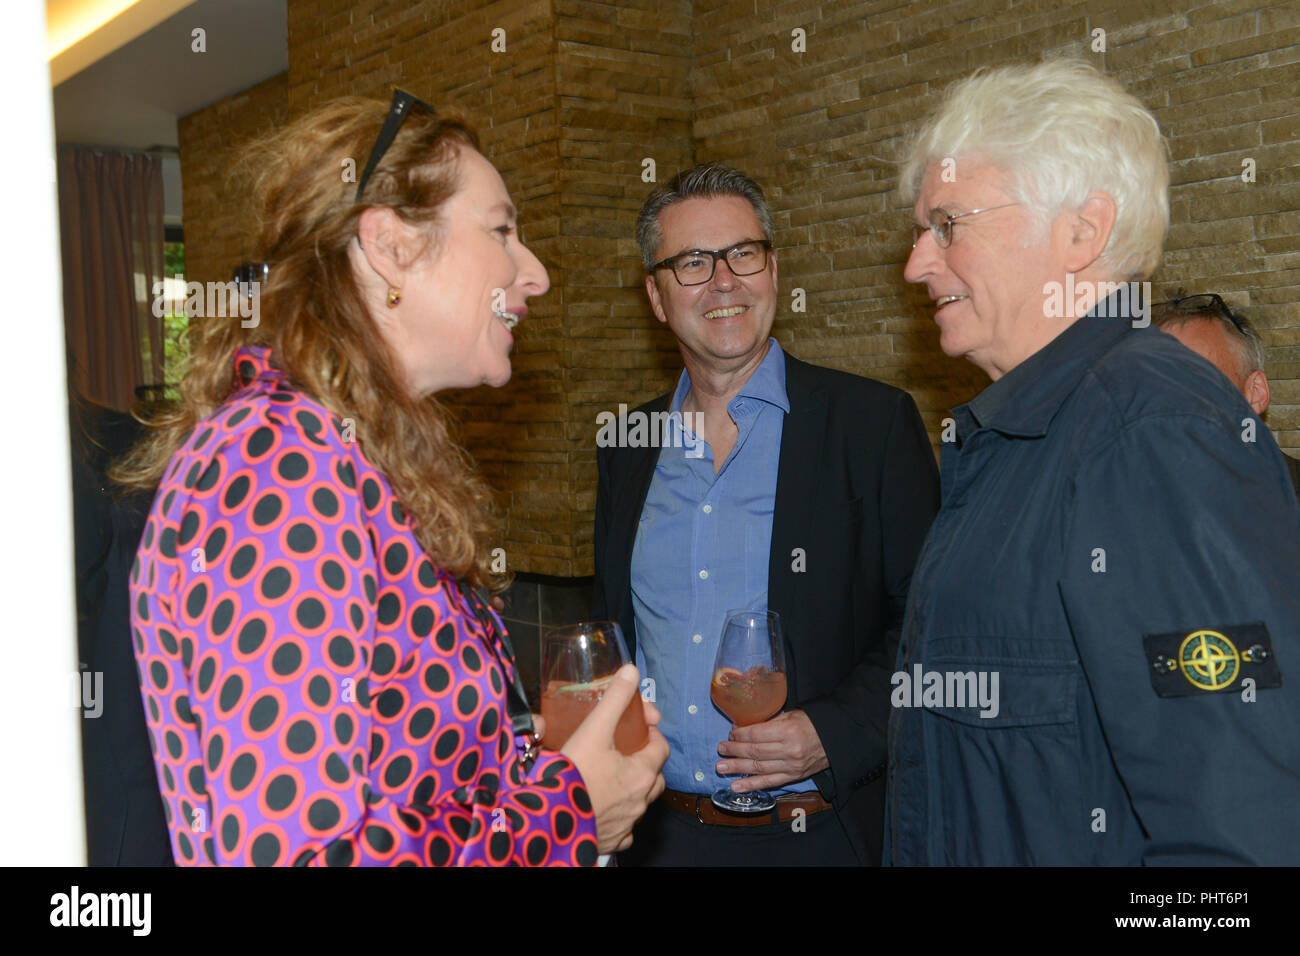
(811, 498)
(1224, 338)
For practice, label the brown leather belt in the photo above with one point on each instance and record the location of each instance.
(700, 806)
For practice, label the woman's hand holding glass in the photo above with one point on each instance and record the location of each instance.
(621, 786)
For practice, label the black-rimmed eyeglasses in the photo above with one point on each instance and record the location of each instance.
(403, 102)
(697, 266)
(941, 224)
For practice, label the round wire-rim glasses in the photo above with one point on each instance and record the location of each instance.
(941, 223)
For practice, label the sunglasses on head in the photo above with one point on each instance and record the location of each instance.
(403, 103)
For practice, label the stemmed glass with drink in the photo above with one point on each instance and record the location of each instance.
(749, 686)
(578, 663)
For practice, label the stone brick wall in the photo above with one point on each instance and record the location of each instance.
(586, 92)
(625, 113)
(821, 129)
(218, 235)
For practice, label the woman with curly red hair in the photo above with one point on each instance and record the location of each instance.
(323, 677)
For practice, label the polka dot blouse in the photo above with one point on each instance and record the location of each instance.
(317, 692)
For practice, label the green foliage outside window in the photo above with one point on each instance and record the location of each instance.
(175, 324)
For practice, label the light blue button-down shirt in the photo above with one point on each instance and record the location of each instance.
(702, 550)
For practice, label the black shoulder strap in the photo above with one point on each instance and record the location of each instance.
(520, 714)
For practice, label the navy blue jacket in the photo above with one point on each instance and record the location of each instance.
(1109, 543)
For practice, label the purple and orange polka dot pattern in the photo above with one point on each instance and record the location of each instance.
(317, 692)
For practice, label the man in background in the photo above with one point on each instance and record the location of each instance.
(125, 823)
(1206, 325)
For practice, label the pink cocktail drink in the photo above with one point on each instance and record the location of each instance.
(565, 706)
(748, 698)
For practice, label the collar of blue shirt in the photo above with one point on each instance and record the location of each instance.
(767, 384)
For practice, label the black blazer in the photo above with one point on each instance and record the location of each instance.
(125, 822)
(856, 490)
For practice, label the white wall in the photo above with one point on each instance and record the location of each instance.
(40, 750)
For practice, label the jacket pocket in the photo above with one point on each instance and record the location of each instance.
(1004, 773)
(999, 692)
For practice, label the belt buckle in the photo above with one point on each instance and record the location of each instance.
(698, 798)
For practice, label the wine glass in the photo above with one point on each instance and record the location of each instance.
(749, 687)
(578, 662)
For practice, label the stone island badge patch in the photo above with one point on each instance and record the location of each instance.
(1211, 660)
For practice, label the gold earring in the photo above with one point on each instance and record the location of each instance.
(394, 297)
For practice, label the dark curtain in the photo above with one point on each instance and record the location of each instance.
(111, 225)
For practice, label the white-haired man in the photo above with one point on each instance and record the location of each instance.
(1091, 570)
(1206, 325)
